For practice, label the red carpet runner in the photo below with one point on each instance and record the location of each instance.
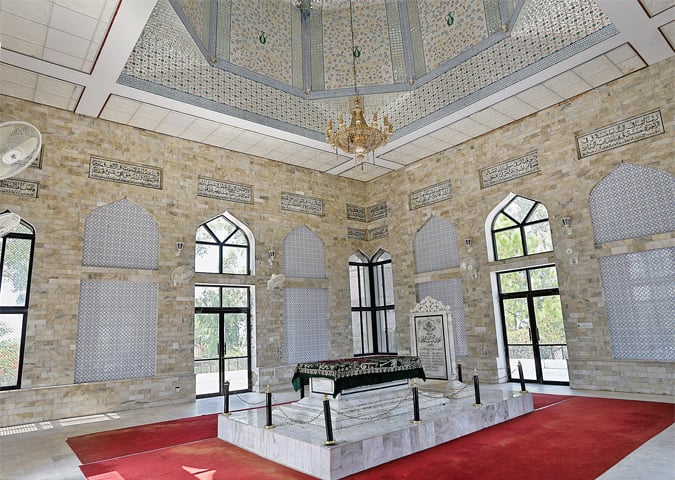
(126, 441)
(576, 438)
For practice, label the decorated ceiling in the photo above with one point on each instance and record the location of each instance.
(264, 77)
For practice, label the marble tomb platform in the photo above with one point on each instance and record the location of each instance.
(374, 441)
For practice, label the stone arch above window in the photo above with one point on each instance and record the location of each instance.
(518, 227)
(224, 245)
(632, 201)
(121, 235)
(304, 254)
(436, 246)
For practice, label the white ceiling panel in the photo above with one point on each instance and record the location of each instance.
(56, 55)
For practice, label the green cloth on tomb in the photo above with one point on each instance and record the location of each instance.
(359, 371)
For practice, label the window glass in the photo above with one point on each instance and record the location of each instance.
(509, 243)
(207, 297)
(373, 326)
(206, 258)
(222, 247)
(235, 260)
(543, 278)
(518, 208)
(11, 326)
(16, 259)
(221, 227)
(538, 238)
(502, 221)
(521, 228)
(15, 272)
(513, 281)
(235, 297)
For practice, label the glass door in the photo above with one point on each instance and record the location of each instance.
(533, 324)
(222, 339)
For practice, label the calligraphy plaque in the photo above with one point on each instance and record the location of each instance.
(379, 232)
(430, 343)
(377, 211)
(19, 188)
(505, 171)
(354, 212)
(429, 195)
(122, 172)
(302, 204)
(234, 192)
(621, 133)
(357, 233)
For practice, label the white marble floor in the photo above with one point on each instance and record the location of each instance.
(39, 451)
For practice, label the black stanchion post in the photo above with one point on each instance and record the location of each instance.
(476, 388)
(522, 379)
(226, 398)
(416, 403)
(268, 408)
(302, 388)
(327, 421)
(459, 372)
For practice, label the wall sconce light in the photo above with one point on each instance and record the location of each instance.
(567, 223)
(271, 254)
(468, 242)
(179, 248)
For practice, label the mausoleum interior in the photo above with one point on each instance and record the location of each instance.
(201, 209)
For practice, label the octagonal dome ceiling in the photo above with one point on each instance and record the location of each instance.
(264, 77)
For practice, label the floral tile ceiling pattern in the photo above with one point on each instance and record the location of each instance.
(458, 56)
(263, 77)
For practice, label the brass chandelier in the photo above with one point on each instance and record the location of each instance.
(358, 138)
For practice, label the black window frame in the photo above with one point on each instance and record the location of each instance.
(19, 310)
(369, 313)
(225, 244)
(518, 226)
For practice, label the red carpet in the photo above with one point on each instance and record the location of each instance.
(578, 438)
(126, 441)
(542, 400)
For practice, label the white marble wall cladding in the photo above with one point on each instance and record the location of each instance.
(638, 290)
(116, 331)
(632, 201)
(260, 38)
(449, 292)
(303, 254)
(371, 38)
(121, 235)
(436, 246)
(306, 331)
(449, 29)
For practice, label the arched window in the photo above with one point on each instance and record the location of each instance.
(16, 261)
(372, 301)
(521, 228)
(223, 246)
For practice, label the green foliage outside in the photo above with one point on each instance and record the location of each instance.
(14, 290)
(9, 357)
(206, 324)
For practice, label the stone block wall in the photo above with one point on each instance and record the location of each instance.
(563, 185)
(67, 195)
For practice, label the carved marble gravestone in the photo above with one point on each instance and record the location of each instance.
(433, 343)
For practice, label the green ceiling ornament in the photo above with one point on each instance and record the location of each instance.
(262, 38)
(449, 19)
(356, 51)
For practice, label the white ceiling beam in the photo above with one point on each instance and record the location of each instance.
(127, 26)
(638, 29)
